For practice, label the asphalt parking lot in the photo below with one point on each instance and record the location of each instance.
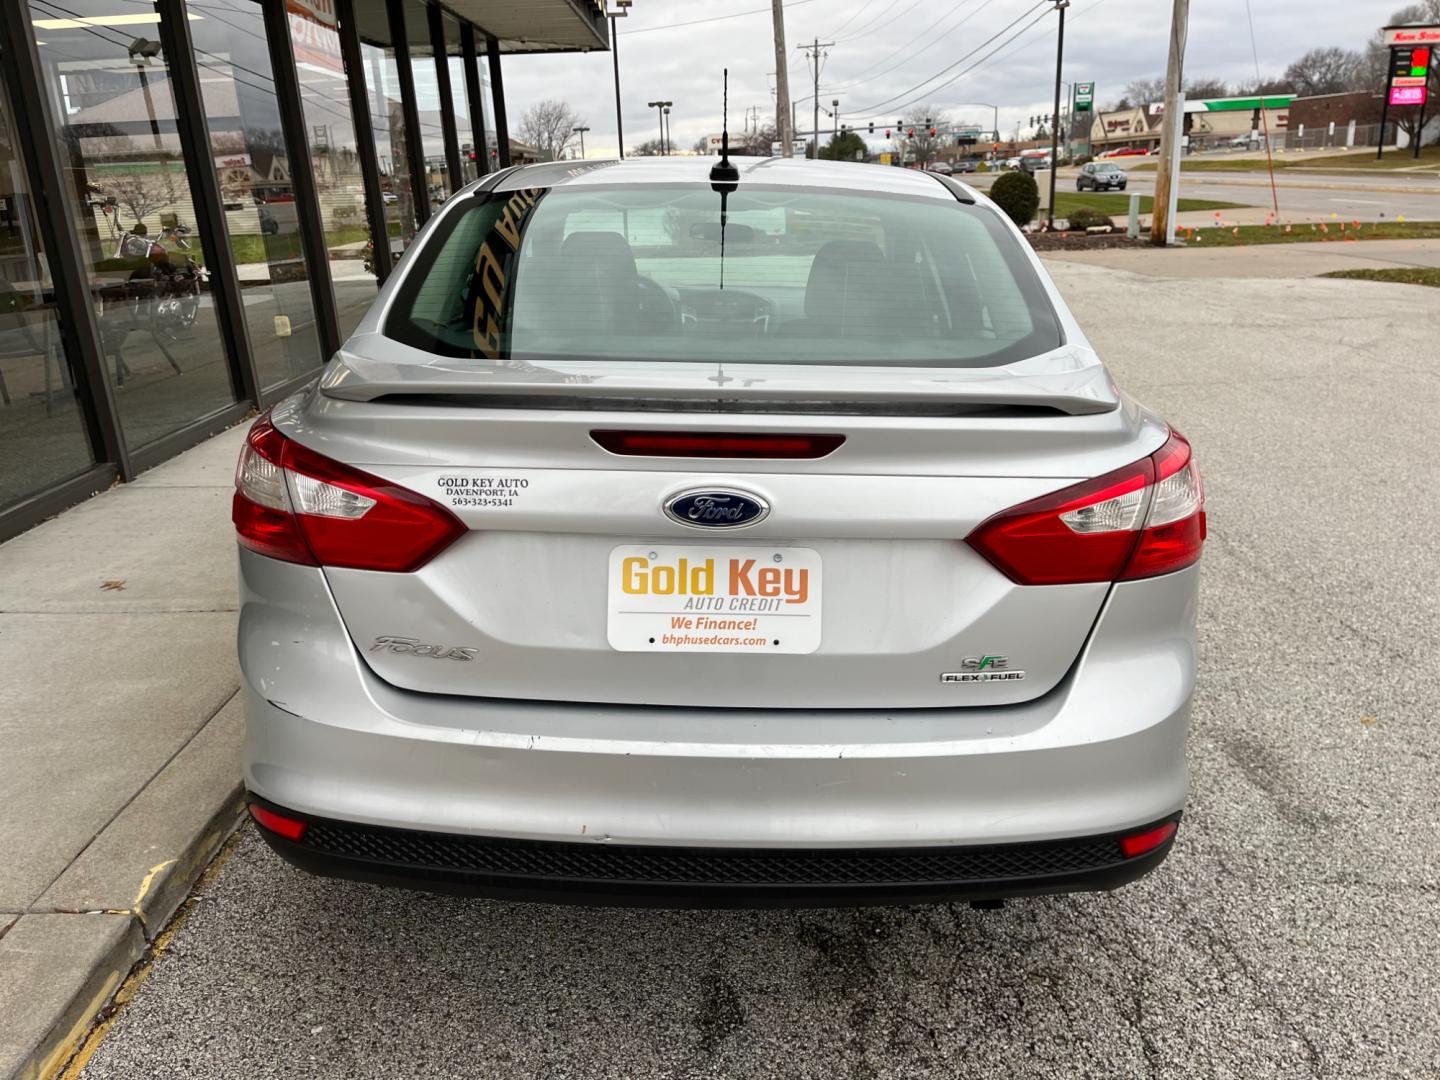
(1292, 933)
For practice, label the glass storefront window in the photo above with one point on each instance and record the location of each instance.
(111, 96)
(464, 131)
(387, 117)
(428, 105)
(330, 129)
(42, 433)
(238, 88)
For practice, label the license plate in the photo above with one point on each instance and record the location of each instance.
(697, 598)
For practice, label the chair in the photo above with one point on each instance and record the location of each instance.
(19, 337)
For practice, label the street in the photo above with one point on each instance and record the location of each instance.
(1304, 195)
(1291, 933)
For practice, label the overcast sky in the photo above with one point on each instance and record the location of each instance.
(885, 47)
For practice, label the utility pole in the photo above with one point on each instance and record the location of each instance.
(814, 51)
(1060, 6)
(1172, 123)
(619, 10)
(782, 83)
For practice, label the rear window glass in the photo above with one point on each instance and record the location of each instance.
(784, 276)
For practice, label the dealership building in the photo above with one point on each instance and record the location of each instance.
(199, 199)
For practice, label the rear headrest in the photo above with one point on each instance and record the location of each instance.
(839, 276)
(607, 250)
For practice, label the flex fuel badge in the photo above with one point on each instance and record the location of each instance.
(983, 669)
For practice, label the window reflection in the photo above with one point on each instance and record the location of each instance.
(460, 102)
(428, 105)
(238, 88)
(330, 130)
(382, 86)
(111, 94)
(42, 434)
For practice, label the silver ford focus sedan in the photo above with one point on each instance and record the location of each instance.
(667, 535)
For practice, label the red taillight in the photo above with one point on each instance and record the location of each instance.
(1149, 840)
(288, 827)
(299, 506)
(1141, 520)
(716, 444)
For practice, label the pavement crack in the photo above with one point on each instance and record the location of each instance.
(1218, 945)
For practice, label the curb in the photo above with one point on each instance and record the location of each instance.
(110, 968)
(67, 956)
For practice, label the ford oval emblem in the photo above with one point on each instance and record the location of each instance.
(716, 508)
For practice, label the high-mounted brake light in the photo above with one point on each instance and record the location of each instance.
(716, 444)
(1144, 519)
(299, 506)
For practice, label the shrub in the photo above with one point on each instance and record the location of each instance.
(1086, 218)
(1017, 194)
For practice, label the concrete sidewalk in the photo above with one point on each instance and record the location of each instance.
(121, 731)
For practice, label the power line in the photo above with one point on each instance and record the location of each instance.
(713, 18)
(864, 74)
(869, 27)
(957, 63)
(859, 11)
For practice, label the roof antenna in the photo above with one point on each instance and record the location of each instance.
(724, 177)
(723, 172)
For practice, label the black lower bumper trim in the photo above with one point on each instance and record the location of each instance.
(666, 876)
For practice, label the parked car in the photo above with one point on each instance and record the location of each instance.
(1130, 151)
(1100, 176)
(942, 167)
(1011, 163)
(965, 165)
(389, 198)
(579, 578)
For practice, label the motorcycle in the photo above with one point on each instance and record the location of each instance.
(172, 303)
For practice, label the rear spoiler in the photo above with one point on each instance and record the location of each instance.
(1070, 380)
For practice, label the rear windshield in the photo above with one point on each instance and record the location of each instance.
(780, 276)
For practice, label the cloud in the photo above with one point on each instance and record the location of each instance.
(883, 47)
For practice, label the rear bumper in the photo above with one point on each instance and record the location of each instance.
(1102, 753)
(669, 876)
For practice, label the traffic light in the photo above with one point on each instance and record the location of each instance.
(910, 132)
(887, 133)
(872, 127)
(932, 132)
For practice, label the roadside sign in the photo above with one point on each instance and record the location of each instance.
(885, 157)
(1411, 35)
(1407, 95)
(1084, 96)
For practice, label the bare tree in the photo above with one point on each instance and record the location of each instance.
(1140, 92)
(1272, 84)
(140, 186)
(1199, 89)
(757, 143)
(648, 148)
(922, 146)
(1329, 70)
(549, 126)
